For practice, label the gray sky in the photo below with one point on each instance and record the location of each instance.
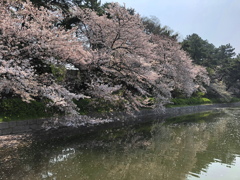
(217, 21)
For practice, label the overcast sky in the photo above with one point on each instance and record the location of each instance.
(217, 21)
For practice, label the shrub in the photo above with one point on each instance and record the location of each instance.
(16, 109)
(234, 99)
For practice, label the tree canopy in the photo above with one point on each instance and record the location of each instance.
(221, 62)
(204, 53)
(116, 59)
(152, 26)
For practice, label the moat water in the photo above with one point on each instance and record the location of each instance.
(200, 146)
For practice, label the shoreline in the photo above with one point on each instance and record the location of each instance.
(25, 138)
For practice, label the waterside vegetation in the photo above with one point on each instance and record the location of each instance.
(78, 57)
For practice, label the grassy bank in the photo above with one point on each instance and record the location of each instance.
(14, 109)
(178, 102)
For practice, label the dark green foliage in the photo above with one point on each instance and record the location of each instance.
(199, 50)
(230, 69)
(198, 100)
(225, 52)
(206, 54)
(221, 63)
(153, 26)
(131, 11)
(65, 5)
(234, 99)
(53, 4)
(16, 109)
(83, 105)
(40, 66)
(219, 100)
(88, 106)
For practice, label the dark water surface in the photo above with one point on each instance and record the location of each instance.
(201, 146)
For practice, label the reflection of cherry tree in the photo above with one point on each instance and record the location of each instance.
(171, 153)
(156, 151)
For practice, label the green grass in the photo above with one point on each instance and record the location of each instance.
(176, 102)
(13, 109)
(180, 102)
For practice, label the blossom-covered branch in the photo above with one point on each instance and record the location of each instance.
(116, 59)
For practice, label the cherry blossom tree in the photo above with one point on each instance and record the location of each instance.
(29, 35)
(122, 52)
(176, 67)
(143, 65)
(117, 60)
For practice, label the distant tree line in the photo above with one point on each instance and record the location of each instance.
(222, 63)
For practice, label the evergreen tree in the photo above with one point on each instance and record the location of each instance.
(199, 50)
(230, 73)
(224, 53)
(153, 26)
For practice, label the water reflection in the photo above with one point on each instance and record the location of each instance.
(64, 156)
(203, 146)
(218, 170)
